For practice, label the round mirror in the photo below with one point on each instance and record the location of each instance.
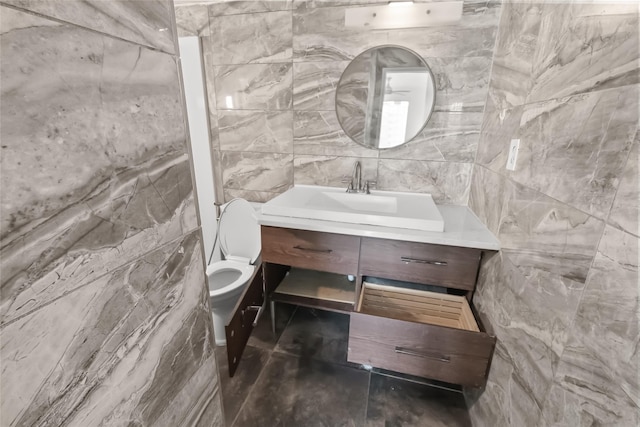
(385, 97)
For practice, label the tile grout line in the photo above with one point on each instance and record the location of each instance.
(83, 27)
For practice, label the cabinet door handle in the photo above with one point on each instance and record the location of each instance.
(302, 248)
(259, 309)
(425, 355)
(422, 261)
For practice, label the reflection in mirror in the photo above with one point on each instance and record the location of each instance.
(385, 97)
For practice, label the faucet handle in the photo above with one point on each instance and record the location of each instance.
(368, 184)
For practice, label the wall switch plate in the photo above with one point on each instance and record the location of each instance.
(513, 154)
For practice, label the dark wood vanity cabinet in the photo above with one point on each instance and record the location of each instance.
(420, 333)
(447, 266)
(429, 334)
(333, 253)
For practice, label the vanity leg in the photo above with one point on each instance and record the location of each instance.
(272, 307)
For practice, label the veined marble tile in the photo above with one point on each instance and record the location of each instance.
(524, 410)
(257, 171)
(206, 45)
(447, 41)
(313, 4)
(148, 23)
(489, 281)
(499, 126)
(119, 349)
(234, 7)
(213, 413)
(461, 83)
(486, 197)
(250, 195)
(574, 149)
(251, 38)
(334, 43)
(314, 84)
(256, 131)
(585, 393)
(319, 133)
(606, 323)
(513, 305)
(554, 239)
(624, 212)
(562, 64)
(308, 4)
(490, 407)
(334, 46)
(216, 156)
(136, 210)
(203, 409)
(77, 190)
(192, 20)
(470, 6)
(129, 90)
(512, 72)
(331, 170)
(320, 34)
(447, 182)
(448, 136)
(328, 20)
(254, 86)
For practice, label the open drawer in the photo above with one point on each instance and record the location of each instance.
(420, 333)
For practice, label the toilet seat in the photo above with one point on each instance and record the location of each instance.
(245, 270)
(239, 236)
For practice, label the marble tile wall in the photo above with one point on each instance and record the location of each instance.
(562, 295)
(272, 69)
(104, 316)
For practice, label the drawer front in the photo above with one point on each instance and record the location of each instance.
(333, 253)
(448, 266)
(445, 354)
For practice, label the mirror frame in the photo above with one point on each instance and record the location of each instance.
(426, 119)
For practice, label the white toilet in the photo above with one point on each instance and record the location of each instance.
(239, 237)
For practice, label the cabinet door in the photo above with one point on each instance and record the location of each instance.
(250, 306)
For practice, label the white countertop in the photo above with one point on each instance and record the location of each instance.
(461, 228)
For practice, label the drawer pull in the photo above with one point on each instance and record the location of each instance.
(422, 261)
(408, 351)
(324, 251)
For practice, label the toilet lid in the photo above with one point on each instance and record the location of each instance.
(239, 230)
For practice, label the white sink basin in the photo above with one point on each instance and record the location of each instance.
(414, 211)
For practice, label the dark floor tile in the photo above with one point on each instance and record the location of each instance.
(394, 402)
(299, 392)
(419, 380)
(236, 389)
(262, 335)
(316, 334)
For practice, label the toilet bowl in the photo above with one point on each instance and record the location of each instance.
(239, 237)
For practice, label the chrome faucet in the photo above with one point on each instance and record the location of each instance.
(355, 186)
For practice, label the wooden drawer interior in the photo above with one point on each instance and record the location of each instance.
(421, 333)
(417, 306)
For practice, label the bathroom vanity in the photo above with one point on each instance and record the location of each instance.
(427, 328)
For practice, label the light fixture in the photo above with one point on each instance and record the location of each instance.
(400, 3)
(403, 14)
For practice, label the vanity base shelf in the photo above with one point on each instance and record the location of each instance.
(420, 333)
(316, 289)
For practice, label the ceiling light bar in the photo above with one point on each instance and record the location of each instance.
(403, 14)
